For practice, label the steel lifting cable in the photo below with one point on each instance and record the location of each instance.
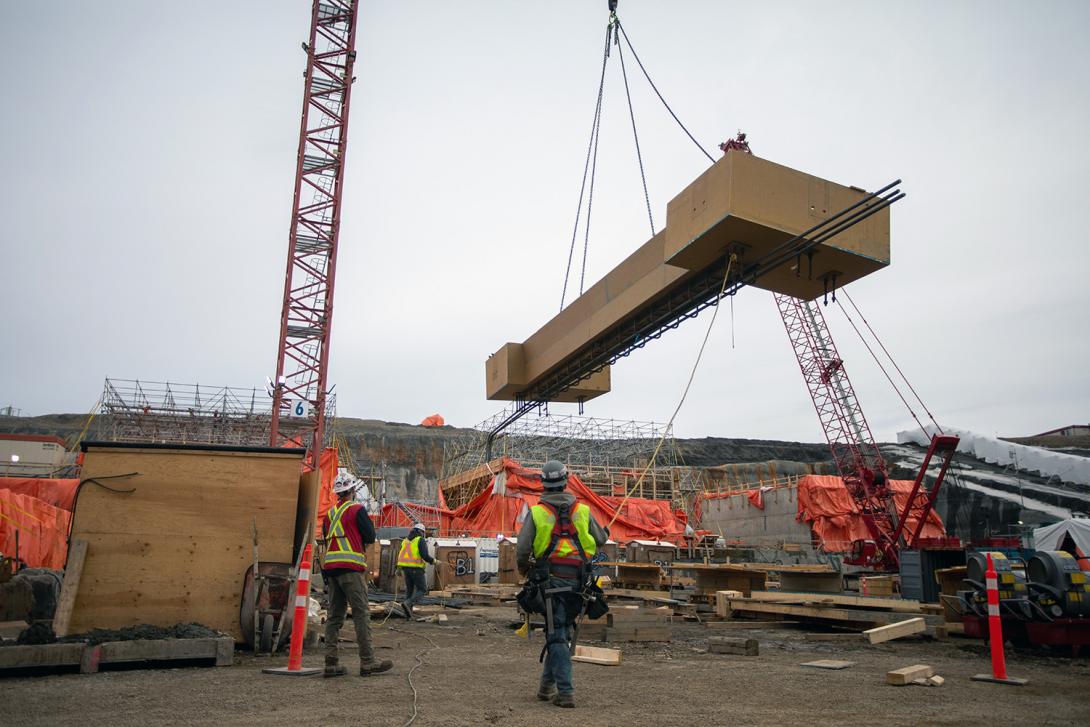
(883, 368)
(692, 374)
(656, 90)
(635, 137)
(592, 145)
(892, 361)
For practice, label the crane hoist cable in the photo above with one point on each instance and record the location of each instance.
(614, 32)
(892, 361)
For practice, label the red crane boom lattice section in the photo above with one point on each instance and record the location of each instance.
(305, 322)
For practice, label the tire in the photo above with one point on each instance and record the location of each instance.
(268, 625)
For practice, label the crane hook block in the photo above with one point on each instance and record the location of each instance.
(612, 6)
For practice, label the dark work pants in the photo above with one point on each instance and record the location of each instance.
(416, 587)
(344, 589)
(558, 654)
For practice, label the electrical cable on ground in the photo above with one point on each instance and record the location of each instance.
(890, 357)
(419, 663)
(692, 374)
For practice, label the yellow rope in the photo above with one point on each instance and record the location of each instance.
(692, 374)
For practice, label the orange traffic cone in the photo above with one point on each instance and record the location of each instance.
(298, 625)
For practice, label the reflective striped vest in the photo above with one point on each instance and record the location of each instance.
(409, 555)
(565, 552)
(344, 544)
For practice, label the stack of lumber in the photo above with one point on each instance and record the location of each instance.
(628, 624)
(827, 607)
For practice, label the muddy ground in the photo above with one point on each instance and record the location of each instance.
(482, 674)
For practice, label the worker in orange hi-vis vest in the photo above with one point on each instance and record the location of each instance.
(412, 559)
(347, 530)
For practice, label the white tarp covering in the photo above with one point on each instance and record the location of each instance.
(1066, 467)
(1051, 537)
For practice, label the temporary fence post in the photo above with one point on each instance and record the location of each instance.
(995, 632)
(298, 624)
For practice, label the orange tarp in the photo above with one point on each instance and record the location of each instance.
(435, 420)
(824, 503)
(58, 493)
(501, 506)
(42, 530)
(326, 499)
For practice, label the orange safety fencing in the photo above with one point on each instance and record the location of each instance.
(825, 503)
(42, 529)
(502, 506)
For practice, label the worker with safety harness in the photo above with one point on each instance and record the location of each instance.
(412, 559)
(347, 529)
(555, 547)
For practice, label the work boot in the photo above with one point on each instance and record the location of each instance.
(564, 700)
(546, 692)
(375, 667)
(333, 668)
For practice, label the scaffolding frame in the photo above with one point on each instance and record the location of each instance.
(133, 410)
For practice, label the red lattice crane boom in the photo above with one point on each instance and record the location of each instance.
(857, 457)
(306, 319)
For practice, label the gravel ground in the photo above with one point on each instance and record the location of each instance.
(482, 674)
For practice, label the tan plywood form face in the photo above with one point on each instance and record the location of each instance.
(749, 200)
(740, 199)
(176, 550)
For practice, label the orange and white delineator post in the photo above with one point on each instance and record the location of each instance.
(298, 623)
(995, 631)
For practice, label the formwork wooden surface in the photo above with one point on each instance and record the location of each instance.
(176, 548)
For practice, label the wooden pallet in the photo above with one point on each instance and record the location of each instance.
(219, 651)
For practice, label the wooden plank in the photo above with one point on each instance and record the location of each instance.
(744, 624)
(880, 618)
(722, 602)
(834, 637)
(906, 675)
(175, 550)
(733, 645)
(829, 664)
(896, 630)
(831, 582)
(597, 655)
(891, 604)
(22, 657)
(73, 570)
(114, 652)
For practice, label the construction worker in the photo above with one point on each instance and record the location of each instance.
(561, 536)
(412, 559)
(347, 529)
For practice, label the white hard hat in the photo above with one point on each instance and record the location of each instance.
(344, 483)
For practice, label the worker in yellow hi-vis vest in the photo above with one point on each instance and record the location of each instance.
(412, 559)
(560, 536)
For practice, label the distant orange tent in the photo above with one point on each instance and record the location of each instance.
(435, 420)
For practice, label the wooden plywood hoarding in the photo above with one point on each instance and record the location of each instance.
(168, 529)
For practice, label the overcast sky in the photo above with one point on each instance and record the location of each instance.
(149, 149)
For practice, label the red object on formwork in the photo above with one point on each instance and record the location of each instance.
(502, 506)
(834, 516)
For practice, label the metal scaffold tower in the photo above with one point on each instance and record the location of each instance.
(166, 413)
(299, 393)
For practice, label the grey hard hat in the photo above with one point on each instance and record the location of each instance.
(554, 474)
